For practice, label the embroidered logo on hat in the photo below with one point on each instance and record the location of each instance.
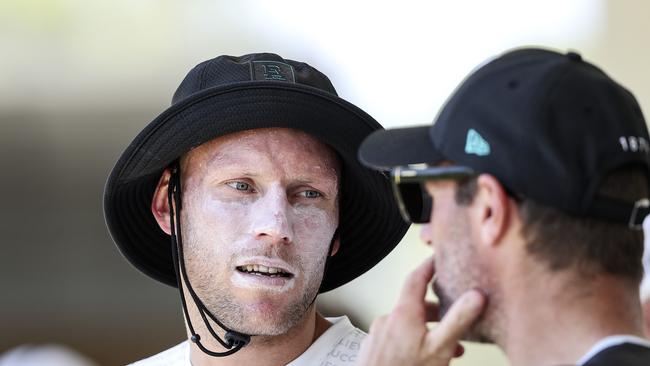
(272, 71)
(476, 144)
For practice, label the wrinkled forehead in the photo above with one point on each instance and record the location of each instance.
(292, 148)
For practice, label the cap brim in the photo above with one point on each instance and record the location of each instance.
(385, 149)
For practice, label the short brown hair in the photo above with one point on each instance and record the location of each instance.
(590, 245)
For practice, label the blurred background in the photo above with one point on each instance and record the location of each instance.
(79, 79)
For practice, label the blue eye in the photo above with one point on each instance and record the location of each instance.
(312, 194)
(240, 186)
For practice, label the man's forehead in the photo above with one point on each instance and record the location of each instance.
(246, 147)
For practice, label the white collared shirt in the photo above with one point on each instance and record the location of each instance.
(337, 346)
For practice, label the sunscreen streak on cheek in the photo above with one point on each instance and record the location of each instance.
(314, 228)
(227, 208)
(220, 215)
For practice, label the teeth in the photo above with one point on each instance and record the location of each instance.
(261, 269)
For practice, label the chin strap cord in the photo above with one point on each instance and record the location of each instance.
(234, 341)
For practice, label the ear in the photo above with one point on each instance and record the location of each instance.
(491, 210)
(160, 202)
(336, 245)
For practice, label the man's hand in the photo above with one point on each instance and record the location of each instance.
(401, 338)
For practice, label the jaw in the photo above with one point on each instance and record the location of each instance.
(270, 314)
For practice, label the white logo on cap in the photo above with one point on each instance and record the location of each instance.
(634, 144)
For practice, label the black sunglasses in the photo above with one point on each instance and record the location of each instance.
(412, 198)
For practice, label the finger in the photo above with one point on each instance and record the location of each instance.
(415, 287)
(377, 324)
(456, 322)
(432, 311)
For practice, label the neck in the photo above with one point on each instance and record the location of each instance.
(555, 318)
(264, 350)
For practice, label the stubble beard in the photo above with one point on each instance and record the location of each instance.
(477, 333)
(213, 291)
(234, 315)
(467, 273)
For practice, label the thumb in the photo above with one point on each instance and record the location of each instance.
(456, 322)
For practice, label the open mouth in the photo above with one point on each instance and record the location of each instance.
(260, 270)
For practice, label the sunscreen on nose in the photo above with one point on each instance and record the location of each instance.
(270, 214)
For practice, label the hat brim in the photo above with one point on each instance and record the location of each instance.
(386, 149)
(370, 225)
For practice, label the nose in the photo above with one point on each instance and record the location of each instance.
(271, 218)
(425, 234)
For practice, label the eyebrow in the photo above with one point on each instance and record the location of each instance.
(224, 158)
(304, 181)
(226, 162)
(243, 173)
(236, 162)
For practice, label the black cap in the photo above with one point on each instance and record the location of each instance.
(229, 94)
(549, 126)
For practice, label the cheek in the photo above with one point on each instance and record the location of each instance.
(314, 227)
(445, 222)
(212, 222)
(228, 213)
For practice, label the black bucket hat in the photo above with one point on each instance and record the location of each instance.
(230, 94)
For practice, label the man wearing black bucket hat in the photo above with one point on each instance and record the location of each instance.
(532, 184)
(246, 194)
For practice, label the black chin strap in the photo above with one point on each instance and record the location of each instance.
(234, 341)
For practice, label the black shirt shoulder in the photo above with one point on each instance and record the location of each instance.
(626, 354)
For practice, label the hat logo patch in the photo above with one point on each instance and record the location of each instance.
(634, 144)
(272, 71)
(476, 144)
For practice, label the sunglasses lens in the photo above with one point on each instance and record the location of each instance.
(415, 201)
